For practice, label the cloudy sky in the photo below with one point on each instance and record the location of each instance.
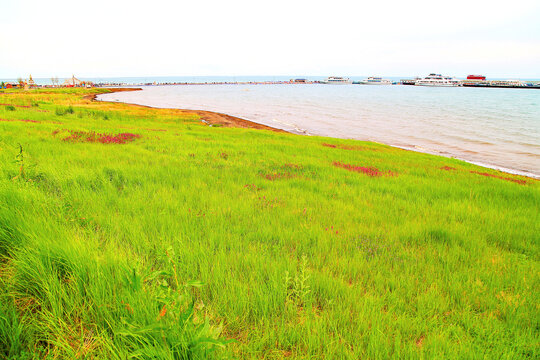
(101, 38)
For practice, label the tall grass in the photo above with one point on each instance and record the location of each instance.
(194, 242)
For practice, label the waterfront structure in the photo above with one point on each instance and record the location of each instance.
(74, 82)
(30, 83)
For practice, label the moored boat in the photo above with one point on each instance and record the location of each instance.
(336, 80)
(438, 80)
(372, 80)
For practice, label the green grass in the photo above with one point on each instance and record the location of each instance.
(197, 242)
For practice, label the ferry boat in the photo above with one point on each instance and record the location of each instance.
(336, 80)
(375, 81)
(438, 80)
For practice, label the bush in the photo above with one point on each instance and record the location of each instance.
(62, 112)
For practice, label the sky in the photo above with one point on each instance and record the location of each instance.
(114, 38)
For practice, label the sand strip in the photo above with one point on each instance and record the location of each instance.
(209, 117)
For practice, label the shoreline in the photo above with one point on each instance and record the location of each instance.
(225, 120)
(208, 117)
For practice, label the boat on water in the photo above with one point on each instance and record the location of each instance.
(372, 80)
(337, 80)
(438, 80)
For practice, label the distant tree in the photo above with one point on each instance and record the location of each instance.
(21, 82)
(2, 85)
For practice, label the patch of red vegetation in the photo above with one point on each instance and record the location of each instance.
(517, 181)
(92, 136)
(332, 230)
(420, 341)
(448, 168)
(369, 171)
(19, 106)
(252, 187)
(292, 166)
(268, 202)
(276, 176)
(344, 147)
(356, 148)
(224, 155)
(22, 120)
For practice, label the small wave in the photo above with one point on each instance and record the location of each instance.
(293, 126)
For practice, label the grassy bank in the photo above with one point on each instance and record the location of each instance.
(128, 232)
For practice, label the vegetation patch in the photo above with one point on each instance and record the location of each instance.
(285, 171)
(63, 111)
(345, 147)
(94, 137)
(517, 181)
(367, 170)
(21, 120)
(277, 176)
(10, 106)
(448, 168)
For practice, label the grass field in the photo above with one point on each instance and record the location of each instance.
(128, 232)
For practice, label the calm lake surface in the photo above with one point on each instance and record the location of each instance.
(499, 128)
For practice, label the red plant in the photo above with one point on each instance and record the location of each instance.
(292, 166)
(518, 181)
(92, 136)
(23, 120)
(276, 176)
(252, 187)
(369, 171)
(19, 106)
(344, 147)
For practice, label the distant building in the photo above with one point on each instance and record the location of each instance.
(30, 83)
(74, 82)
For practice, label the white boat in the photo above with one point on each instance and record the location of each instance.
(375, 81)
(336, 80)
(438, 80)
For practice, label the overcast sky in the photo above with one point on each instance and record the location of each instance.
(102, 38)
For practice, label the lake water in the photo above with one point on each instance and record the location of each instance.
(499, 128)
